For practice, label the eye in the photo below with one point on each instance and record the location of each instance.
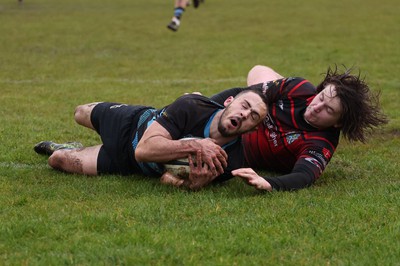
(255, 116)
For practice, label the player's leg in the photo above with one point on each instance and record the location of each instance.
(83, 117)
(48, 147)
(196, 3)
(179, 8)
(259, 74)
(83, 113)
(78, 161)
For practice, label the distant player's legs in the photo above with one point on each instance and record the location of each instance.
(259, 74)
(179, 8)
(78, 161)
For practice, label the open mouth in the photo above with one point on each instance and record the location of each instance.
(235, 122)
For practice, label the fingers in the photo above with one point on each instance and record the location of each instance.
(219, 162)
(212, 155)
(214, 166)
(245, 173)
(199, 161)
(252, 178)
(169, 179)
(190, 160)
(223, 157)
(224, 154)
(242, 171)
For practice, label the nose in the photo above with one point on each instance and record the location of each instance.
(244, 114)
(318, 107)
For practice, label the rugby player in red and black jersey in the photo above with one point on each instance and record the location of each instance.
(301, 132)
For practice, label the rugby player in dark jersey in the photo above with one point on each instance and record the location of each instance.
(301, 131)
(137, 139)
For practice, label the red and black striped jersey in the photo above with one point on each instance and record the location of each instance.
(285, 139)
(285, 142)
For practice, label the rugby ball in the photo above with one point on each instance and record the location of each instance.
(180, 167)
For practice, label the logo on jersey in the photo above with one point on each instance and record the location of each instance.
(326, 153)
(280, 104)
(265, 87)
(271, 129)
(314, 162)
(274, 137)
(321, 157)
(291, 137)
(117, 106)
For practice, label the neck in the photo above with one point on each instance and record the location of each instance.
(215, 134)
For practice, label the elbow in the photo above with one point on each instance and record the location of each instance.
(140, 154)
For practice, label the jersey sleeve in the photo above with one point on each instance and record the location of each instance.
(308, 168)
(175, 117)
(288, 88)
(299, 178)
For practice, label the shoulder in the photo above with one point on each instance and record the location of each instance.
(192, 97)
(195, 99)
(298, 87)
(300, 83)
(289, 85)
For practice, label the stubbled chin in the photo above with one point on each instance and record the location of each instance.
(307, 116)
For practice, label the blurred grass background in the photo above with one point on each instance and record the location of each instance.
(55, 55)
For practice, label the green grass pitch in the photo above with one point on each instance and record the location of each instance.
(55, 55)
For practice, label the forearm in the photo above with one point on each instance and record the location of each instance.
(160, 149)
(290, 182)
(157, 145)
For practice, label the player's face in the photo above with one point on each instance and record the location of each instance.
(242, 114)
(324, 110)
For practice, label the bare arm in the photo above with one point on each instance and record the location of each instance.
(157, 145)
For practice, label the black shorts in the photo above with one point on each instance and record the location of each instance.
(115, 124)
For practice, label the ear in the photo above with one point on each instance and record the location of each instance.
(228, 101)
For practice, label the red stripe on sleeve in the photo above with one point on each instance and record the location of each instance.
(296, 87)
(292, 102)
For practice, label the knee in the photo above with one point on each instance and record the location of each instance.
(253, 76)
(80, 114)
(83, 114)
(57, 159)
(257, 68)
(259, 74)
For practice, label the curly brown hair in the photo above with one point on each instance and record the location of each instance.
(360, 106)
